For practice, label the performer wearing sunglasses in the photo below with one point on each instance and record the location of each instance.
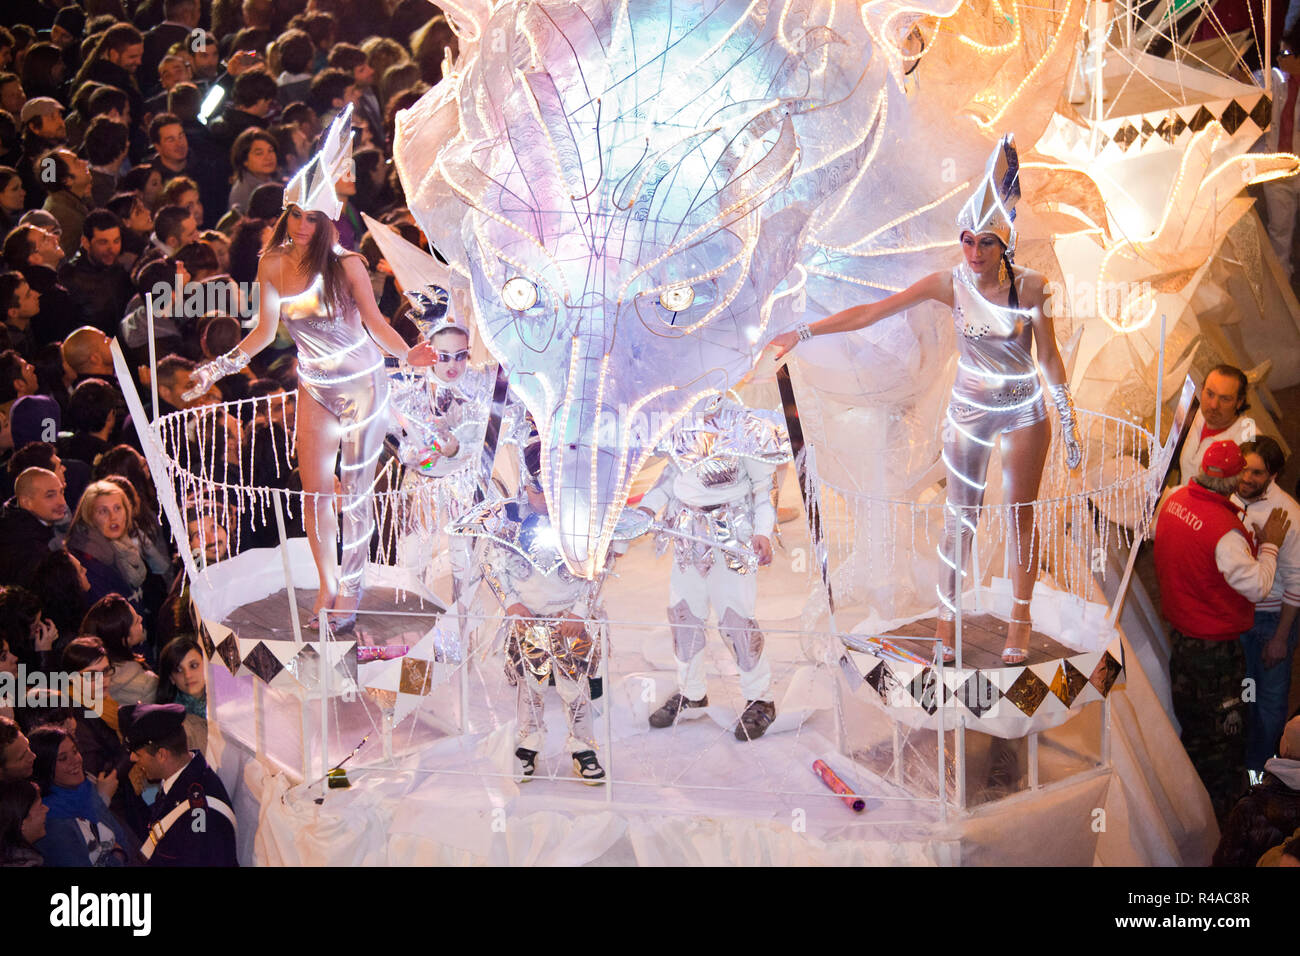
(444, 414)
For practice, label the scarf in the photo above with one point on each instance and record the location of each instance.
(123, 555)
(198, 706)
(71, 803)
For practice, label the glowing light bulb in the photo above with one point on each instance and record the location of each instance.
(678, 298)
(519, 294)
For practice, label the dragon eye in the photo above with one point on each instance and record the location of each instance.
(678, 298)
(519, 294)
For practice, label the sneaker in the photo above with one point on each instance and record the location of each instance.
(527, 765)
(668, 714)
(586, 766)
(755, 719)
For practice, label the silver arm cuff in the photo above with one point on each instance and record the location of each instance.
(804, 331)
(210, 372)
(1064, 404)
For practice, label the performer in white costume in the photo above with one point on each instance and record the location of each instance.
(324, 297)
(554, 622)
(717, 492)
(998, 311)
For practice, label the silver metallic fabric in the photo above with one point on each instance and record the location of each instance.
(997, 390)
(209, 373)
(743, 636)
(1064, 402)
(688, 631)
(340, 367)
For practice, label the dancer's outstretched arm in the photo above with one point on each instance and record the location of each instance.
(379, 328)
(937, 286)
(259, 337)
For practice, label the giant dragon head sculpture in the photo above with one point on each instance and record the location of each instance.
(625, 191)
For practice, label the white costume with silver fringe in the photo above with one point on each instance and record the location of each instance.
(718, 491)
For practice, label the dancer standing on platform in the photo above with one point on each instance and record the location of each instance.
(324, 297)
(999, 312)
(553, 618)
(718, 491)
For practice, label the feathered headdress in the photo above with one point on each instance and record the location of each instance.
(992, 207)
(312, 188)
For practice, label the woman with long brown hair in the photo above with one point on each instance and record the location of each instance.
(324, 297)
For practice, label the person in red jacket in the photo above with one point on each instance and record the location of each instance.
(1211, 573)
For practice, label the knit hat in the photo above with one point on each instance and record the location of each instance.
(1223, 459)
(31, 417)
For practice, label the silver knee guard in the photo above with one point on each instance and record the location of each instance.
(743, 637)
(688, 631)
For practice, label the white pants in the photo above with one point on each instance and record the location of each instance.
(530, 711)
(732, 597)
(1282, 197)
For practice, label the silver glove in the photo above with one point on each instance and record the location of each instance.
(1069, 425)
(209, 373)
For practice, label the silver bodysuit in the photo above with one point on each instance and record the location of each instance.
(340, 366)
(997, 390)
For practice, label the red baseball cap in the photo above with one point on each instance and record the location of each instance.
(1223, 459)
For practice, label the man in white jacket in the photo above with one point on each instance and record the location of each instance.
(1270, 644)
(1221, 417)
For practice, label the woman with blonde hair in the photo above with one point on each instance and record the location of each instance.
(100, 538)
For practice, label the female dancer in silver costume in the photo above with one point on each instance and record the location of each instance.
(998, 312)
(324, 297)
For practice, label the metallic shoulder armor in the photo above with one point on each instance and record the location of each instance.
(731, 432)
(512, 525)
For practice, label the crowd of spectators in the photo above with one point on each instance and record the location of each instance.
(1227, 559)
(145, 144)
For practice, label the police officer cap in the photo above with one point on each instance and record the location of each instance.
(144, 724)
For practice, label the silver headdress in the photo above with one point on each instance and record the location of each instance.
(431, 314)
(992, 207)
(312, 188)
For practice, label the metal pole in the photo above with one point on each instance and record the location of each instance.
(1105, 731)
(288, 569)
(1160, 381)
(153, 354)
(1098, 61)
(1033, 760)
(606, 692)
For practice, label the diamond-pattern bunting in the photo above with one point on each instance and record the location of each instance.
(205, 639)
(1126, 135)
(882, 680)
(305, 666)
(1105, 673)
(1027, 692)
(1201, 119)
(263, 663)
(1166, 130)
(979, 694)
(1147, 130)
(228, 651)
(1177, 125)
(417, 676)
(1233, 117)
(1262, 112)
(925, 688)
(1067, 683)
(1102, 141)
